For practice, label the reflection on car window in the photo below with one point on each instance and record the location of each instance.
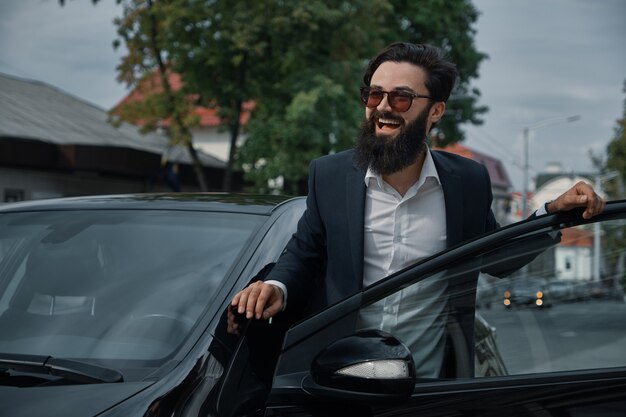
(418, 316)
(276, 239)
(543, 302)
(434, 318)
(114, 284)
(566, 309)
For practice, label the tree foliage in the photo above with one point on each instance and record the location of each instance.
(299, 61)
(144, 29)
(616, 162)
(616, 155)
(311, 106)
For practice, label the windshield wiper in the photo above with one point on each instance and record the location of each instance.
(69, 369)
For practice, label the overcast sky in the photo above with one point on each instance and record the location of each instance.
(548, 60)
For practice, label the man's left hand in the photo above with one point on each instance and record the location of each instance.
(580, 195)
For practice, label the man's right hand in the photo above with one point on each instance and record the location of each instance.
(259, 300)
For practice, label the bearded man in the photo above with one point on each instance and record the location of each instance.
(390, 202)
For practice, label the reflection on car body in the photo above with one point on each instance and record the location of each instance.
(118, 306)
(488, 361)
(486, 292)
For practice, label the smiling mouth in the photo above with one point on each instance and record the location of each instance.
(388, 123)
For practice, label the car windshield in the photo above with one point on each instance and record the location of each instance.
(111, 284)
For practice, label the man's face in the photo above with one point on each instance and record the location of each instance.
(390, 140)
(391, 76)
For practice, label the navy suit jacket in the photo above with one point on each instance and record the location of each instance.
(329, 239)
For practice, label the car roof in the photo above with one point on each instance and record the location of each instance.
(225, 202)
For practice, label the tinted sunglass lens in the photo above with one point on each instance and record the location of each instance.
(373, 98)
(399, 102)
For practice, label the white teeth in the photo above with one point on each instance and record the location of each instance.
(388, 121)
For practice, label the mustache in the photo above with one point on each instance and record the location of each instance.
(385, 115)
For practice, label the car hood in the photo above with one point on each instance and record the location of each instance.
(68, 400)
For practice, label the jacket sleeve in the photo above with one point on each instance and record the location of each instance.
(304, 258)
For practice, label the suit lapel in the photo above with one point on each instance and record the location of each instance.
(453, 197)
(355, 205)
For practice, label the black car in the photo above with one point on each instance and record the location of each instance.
(527, 291)
(119, 306)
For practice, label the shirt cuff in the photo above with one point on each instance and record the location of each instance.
(282, 287)
(543, 209)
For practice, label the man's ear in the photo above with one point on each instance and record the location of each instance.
(436, 111)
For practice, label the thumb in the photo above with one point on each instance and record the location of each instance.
(275, 305)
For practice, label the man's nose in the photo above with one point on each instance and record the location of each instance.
(384, 103)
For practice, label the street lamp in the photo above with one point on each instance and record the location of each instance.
(537, 126)
(596, 226)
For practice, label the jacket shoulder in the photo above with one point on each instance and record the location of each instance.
(338, 163)
(454, 163)
(339, 158)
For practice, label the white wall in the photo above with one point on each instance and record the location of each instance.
(214, 141)
(573, 263)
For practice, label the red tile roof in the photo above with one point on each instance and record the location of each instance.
(208, 117)
(497, 172)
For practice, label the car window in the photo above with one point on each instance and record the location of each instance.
(276, 238)
(564, 311)
(541, 302)
(112, 285)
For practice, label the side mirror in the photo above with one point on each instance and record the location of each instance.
(370, 366)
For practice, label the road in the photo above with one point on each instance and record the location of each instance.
(581, 335)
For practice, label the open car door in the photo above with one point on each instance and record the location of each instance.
(547, 356)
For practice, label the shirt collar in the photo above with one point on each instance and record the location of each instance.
(428, 171)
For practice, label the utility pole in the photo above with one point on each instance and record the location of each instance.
(597, 233)
(525, 166)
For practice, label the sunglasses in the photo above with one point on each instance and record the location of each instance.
(399, 100)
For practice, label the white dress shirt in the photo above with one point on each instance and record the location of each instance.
(399, 231)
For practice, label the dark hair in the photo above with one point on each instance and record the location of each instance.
(441, 72)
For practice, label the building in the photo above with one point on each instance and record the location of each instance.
(209, 135)
(573, 258)
(500, 182)
(53, 144)
(574, 255)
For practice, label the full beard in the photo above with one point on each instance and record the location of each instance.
(387, 155)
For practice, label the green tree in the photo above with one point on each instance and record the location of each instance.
(616, 162)
(309, 105)
(300, 62)
(289, 58)
(307, 100)
(144, 29)
(449, 25)
(216, 46)
(616, 155)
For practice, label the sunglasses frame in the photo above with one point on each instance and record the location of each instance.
(391, 95)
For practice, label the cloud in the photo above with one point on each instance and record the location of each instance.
(69, 47)
(550, 59)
